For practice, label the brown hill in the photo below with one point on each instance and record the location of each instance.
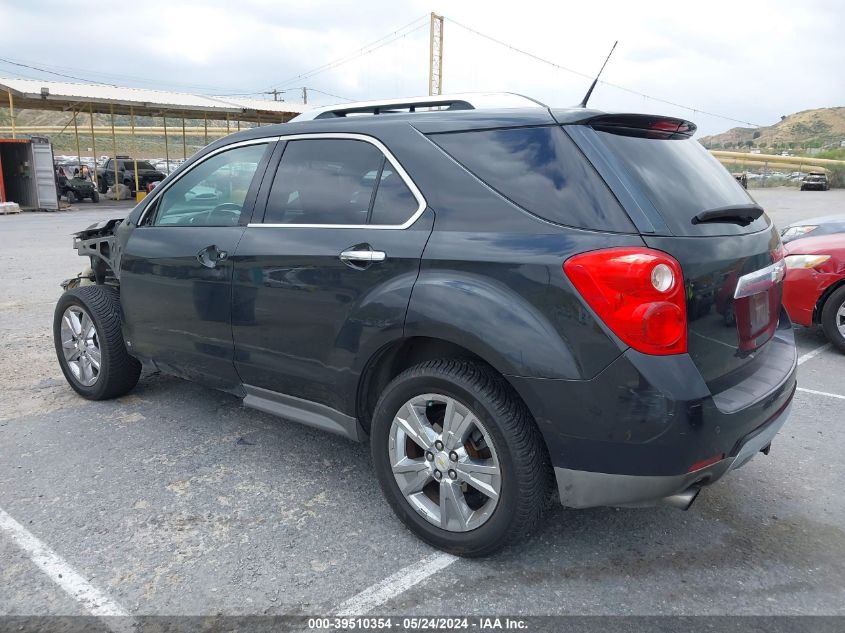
(824, 127)
(148, 146)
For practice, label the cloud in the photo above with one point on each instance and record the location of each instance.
(751, 61)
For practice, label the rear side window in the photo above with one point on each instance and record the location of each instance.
(324, 181)
(681, 179)
(337, 181)
(542, 171)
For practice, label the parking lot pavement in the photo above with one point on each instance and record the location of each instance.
(176, 500)
(786, 205)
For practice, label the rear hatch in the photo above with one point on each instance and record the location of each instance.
(686, 204)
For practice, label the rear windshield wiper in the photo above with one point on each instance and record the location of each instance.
(735, 214)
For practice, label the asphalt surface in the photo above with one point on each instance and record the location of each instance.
(177, 500)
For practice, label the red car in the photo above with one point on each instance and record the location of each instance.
(814, 288)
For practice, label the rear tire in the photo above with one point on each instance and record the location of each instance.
(71, 198)
(833, 318)
(89, 343)
(502, 436)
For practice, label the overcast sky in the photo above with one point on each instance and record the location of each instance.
(751, 61)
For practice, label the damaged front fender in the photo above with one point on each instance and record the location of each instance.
(99, 243)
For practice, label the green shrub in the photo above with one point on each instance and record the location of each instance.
(836, 176)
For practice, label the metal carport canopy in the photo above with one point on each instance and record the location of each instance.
(35, 94)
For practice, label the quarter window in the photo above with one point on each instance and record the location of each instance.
(541, 170)
(394, 203)
(213, 192)
(337, 181)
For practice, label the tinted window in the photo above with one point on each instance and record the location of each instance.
(130, 165)
(541, 170)
(681, 179)
(394, 202)
(213, 192)
(324, 181)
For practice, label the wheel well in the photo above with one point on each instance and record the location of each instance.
(817, 311)
(395, 358)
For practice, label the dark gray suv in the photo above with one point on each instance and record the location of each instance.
(512, 303)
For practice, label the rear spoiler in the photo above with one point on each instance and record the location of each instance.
(643, 125)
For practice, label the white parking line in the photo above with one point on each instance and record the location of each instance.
(813, 353)
(822, 393)
(395, 584)
(71, 582)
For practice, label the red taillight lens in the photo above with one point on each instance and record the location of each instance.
(665, 126)
(638, 293)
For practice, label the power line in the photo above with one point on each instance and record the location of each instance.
(586, 76)
(283, 91)
(156, 84)
(19, 75)
(44, 70)
(329, 94)
(364, 50)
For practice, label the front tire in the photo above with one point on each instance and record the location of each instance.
(459, 457)
(833, 318)
(89, 343)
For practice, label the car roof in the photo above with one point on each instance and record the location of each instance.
(433, 122)
(429, 121)
(825, 219)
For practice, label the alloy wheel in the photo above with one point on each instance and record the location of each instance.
(81, 345)
(444, 462)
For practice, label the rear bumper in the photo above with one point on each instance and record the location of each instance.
(585, 489)
(638, 431)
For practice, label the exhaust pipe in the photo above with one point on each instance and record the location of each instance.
(682, 500)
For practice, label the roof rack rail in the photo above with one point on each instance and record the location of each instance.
(463, 101)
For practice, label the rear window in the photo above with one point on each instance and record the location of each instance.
(142, 164)
(681, 179)
(541, 170)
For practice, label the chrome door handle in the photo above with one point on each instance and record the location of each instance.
(362, 256)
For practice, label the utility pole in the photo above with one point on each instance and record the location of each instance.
(304, 95)
(275, 94)
(435, 55)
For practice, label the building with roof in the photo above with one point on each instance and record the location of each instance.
(35, 94)
(79, 100)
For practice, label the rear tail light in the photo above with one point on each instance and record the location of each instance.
(638, 293)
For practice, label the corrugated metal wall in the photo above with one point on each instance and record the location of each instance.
(44, 174)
